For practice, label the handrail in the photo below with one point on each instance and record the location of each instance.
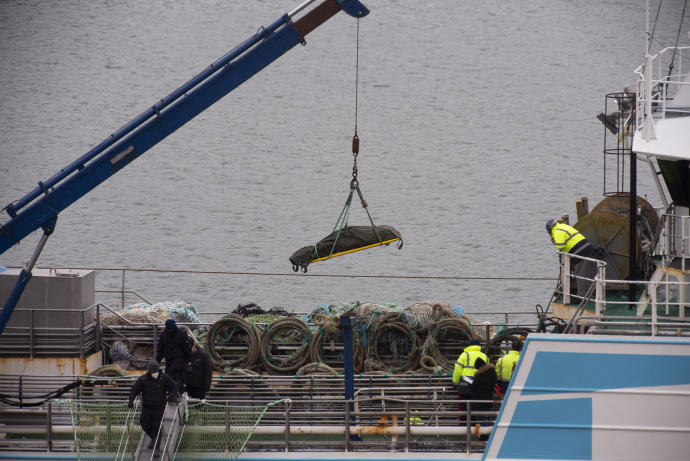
(660, 84)
(440, 419)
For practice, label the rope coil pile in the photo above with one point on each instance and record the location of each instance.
(425, 337)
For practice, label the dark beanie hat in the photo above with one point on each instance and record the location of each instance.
(475, 342)
(170, 324)
(152, 366)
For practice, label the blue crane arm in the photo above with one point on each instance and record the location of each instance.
(40, 208)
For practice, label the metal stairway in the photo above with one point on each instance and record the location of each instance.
(171, 425)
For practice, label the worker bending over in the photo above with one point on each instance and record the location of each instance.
(569, 240)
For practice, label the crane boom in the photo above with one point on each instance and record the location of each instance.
(40, 207)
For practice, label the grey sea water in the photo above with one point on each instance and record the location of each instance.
(477, 123)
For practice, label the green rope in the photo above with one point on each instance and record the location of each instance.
(340, 224)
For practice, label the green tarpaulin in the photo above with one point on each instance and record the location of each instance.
(347, 240)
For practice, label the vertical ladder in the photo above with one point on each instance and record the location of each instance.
(171, 425)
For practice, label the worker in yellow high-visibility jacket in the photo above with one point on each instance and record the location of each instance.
(569, 240)
(465, 368)
(505, 366)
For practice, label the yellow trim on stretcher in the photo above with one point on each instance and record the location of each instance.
(356, 249)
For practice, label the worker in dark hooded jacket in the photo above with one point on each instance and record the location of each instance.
(198, 373)
(156, 389)
(173, 345)
(483, 388)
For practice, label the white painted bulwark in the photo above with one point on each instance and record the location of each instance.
(672, 139)
(583, 397)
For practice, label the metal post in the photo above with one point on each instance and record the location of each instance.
(49, 427)
(99, 346)
(155, 340)
(24, 277)
(600, 288)
(468, 435)
(81, 336)
(31, 336)
(287, 428)
(122, 290)
(349, 371)
(346, 325)
(407, 426)
(347, 426)
(654, 312)
(632, 240)
(565, 277)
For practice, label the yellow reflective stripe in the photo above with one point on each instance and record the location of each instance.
(356, 249)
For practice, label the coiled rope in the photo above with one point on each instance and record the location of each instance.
(280, 336)
(222, 340)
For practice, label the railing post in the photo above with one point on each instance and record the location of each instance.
(600, 289)
(407, 426)
(155, 340)
(99, 346)
(81, 335)
(565, 277)
(49, 427)
(122, 289)
(348, 357)
(468, 435)
(682, 243)
(31, 336)
(654, 312)
(347, 426)
(287, 428)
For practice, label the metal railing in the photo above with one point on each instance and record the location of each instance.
(674, 242)
(52, 341)
(663, 296)
(664, 85)
(566, 279)
(413, 414)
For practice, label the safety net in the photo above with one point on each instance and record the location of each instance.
(104, 430)
(214, 429)
(110, 430)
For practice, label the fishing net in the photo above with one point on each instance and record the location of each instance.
(421, 315)
(104, 430)
(180, 311)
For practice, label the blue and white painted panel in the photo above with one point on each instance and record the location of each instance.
(580, 397)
